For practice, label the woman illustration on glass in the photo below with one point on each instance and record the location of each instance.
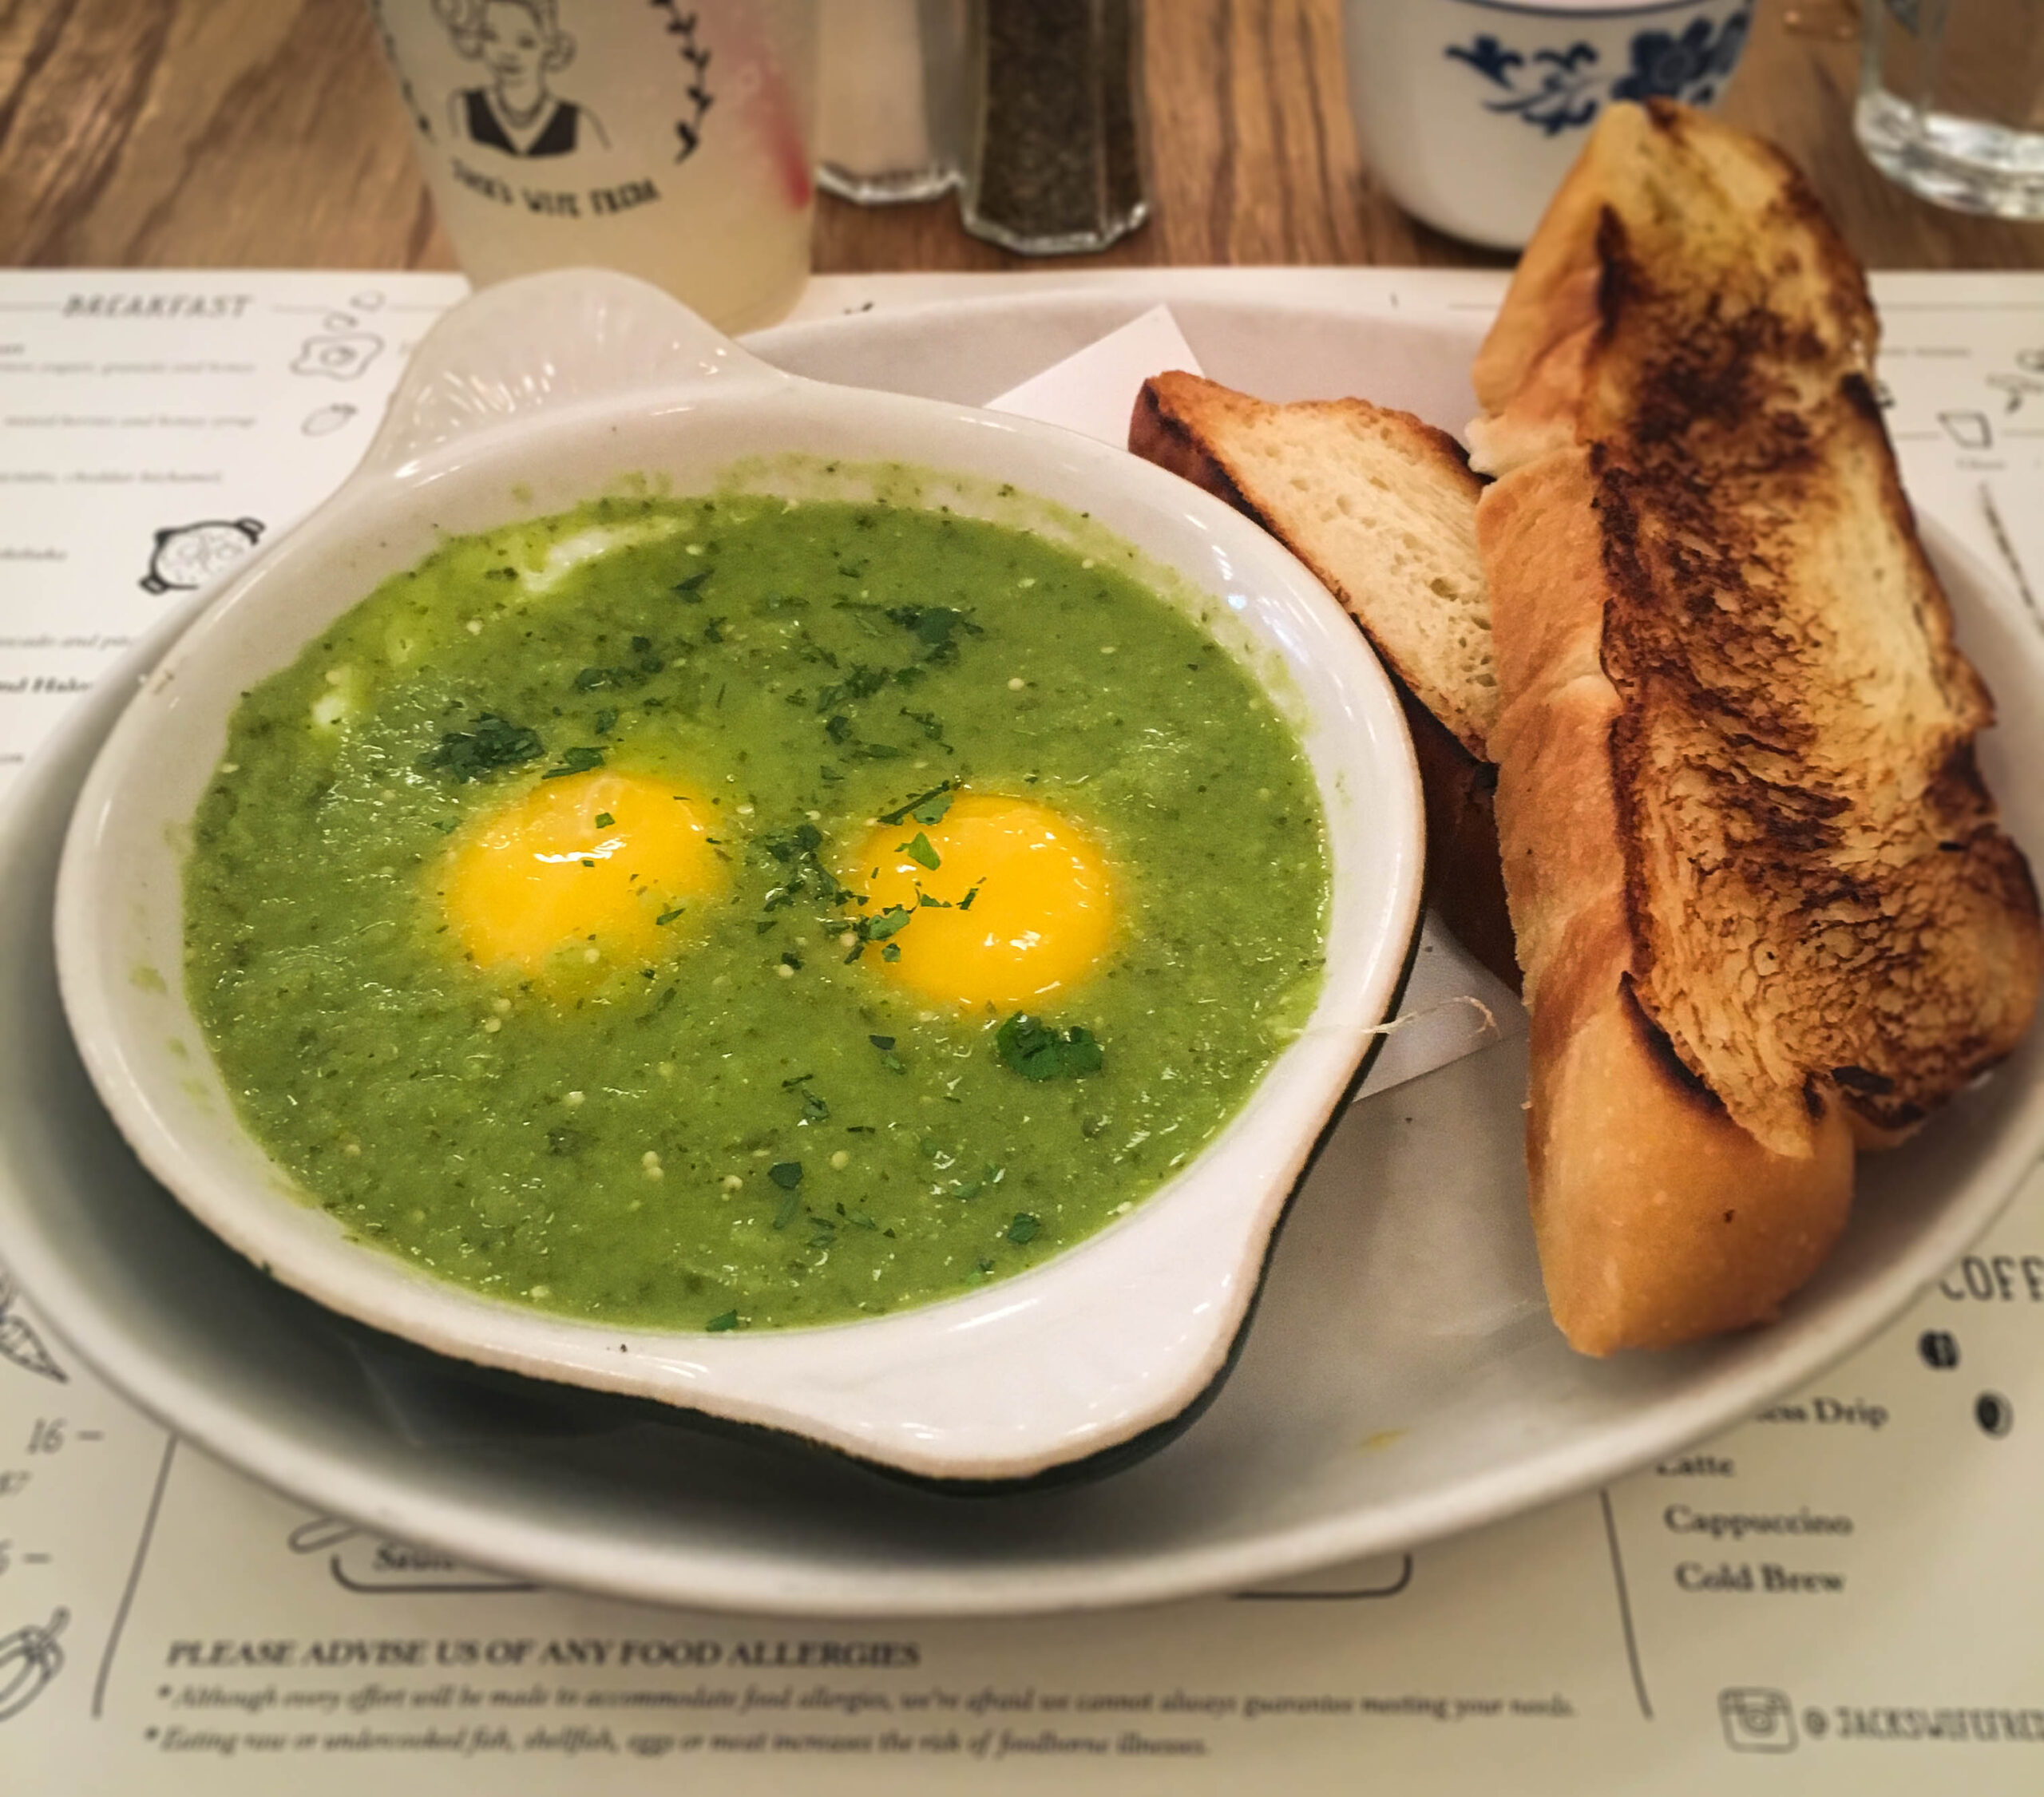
(520, 41)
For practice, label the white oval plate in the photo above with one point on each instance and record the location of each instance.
(1400, 1380)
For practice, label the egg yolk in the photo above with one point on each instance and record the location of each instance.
(1040, 911)
(583, 871)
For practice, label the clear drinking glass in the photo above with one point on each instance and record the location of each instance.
(1951, 100)
(670, 140)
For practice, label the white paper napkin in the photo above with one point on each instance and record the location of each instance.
(1093, 390)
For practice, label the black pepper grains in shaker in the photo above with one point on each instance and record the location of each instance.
(1055, 153)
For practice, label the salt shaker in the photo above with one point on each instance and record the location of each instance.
(1054, 123)
(887, 123)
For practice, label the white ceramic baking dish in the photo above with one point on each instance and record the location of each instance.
(542, 393)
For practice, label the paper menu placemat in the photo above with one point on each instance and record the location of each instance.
(153, 425)
(1845, 1588)
(1852, 1582)
(153, 428)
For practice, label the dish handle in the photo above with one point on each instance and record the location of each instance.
(546, 341)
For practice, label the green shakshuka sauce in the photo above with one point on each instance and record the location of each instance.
(740, 1116)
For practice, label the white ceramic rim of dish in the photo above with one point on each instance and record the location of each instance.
(1117, 1335)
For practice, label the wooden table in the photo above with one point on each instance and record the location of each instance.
(267, 133)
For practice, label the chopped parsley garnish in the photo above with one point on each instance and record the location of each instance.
(882, 1043)
(723, 1321)
(890, 922)
(792, 961)
(604, 820)
(605, 718)
(891, 952)
(636, 675)
(713, 631)
(691, 588)
(920, 851)
(786, 1174)
(1023, 1228)
(926, 808)
(860, 681)
(936, 627)
(814, 1109)
(582, 760)
(933, 726)
(1036, 1051)
(495, 742)
(804, 839)
(965, 903)
(797, 851)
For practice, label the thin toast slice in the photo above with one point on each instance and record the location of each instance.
(1382, 508)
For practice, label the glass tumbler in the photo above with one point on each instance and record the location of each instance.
(669, 139)
(1951, 100)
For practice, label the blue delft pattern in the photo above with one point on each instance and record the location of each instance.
(1560, 90)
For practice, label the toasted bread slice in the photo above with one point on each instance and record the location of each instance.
(1382, 508)
(1760, 899)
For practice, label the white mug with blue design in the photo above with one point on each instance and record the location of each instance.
(1470, 112)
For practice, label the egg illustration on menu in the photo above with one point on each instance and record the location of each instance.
(187, 556)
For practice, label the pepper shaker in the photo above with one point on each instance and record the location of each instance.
(1054, 123)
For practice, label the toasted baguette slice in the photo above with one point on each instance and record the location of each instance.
(1382, 509)
(1761, 902)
